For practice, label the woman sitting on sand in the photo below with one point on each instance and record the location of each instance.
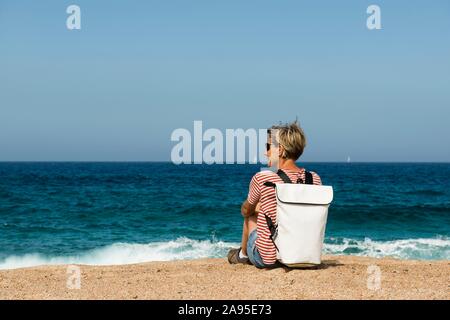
(285, 145)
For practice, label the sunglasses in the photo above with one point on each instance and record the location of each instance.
(267, 146)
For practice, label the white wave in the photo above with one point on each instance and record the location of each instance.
(185, 249)
(421, 248)
(128, 253)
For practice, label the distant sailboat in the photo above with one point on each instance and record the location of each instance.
(348, 159)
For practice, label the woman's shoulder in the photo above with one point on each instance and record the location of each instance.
(264, 175)
(316, 178)
(302, 171)
(267, 175)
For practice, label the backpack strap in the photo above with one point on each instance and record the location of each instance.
(286, 179)
(273, 228)
(283, 176)
(308, 178)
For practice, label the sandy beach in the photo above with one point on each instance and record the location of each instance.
(340, 277)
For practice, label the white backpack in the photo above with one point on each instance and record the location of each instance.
(302, 210)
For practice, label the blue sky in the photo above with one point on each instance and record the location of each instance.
(137, 70)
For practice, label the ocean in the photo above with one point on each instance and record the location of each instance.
(119, 213)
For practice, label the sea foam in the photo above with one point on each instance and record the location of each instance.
(185, 249)
(128, 253)
(420, 248)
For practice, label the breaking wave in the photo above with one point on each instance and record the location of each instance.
(420, 249)
(184, 249)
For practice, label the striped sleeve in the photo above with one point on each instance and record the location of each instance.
(254, 193)
(316, 178)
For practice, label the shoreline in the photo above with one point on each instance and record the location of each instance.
(339, 277)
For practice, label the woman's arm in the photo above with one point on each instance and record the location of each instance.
(248, 209)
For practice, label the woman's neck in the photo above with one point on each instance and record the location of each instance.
(287, 164)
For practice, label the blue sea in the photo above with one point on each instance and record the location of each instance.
(119, 213)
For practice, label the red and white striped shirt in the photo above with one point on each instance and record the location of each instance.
(268, 205)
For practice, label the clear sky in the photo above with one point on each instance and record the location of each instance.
(137, 70)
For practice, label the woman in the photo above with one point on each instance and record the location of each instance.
(285, 145)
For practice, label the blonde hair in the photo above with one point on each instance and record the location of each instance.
(291, 137)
